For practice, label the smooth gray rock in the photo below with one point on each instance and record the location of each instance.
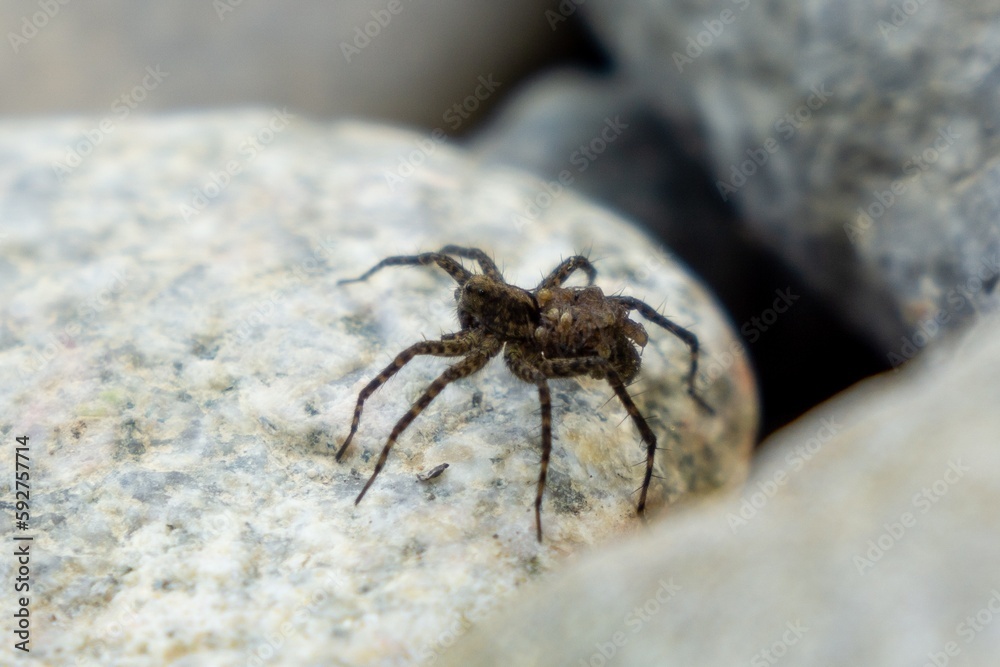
(185, 364)
(866, 535)
(858, 139)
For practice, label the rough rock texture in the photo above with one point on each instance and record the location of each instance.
(178, 351)
(866, 535)
(860, 139)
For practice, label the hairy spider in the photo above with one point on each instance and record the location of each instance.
(548, 332)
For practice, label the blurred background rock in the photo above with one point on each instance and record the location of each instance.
(321, 59)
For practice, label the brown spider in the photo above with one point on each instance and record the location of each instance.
(548, 332)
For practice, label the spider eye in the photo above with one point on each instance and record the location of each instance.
(480, 291)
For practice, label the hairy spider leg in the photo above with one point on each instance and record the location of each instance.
(448, 347)
(532, 368)
(485, 261)
(454, 268)
(545, 399)
(686, 336)
(523, 365)
(467, 366)
(565, 269)
(585, 366)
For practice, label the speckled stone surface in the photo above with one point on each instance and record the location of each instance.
(866, 535)
(175, 345)
(859, 140)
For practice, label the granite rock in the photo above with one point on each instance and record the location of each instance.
(864, 536)
(858, 139)
(180, 355)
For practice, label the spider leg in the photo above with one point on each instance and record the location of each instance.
(454, 268)
(584, 365)
(565, 269)
(686, 336)
(463, 368)
(485, 261)
(571, 367)
(546, 401)
(522, 367)
(449, 347)
(644, 430)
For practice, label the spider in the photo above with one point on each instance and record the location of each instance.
(548, 332)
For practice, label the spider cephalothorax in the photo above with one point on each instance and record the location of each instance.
(548, 332)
